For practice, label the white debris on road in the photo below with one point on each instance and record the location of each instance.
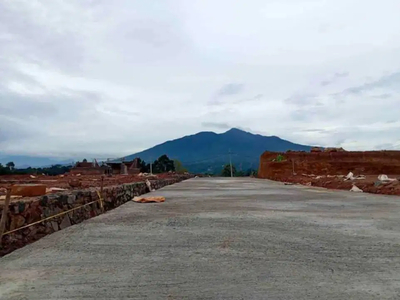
(356, 189)
(351, 176)
(384, 177)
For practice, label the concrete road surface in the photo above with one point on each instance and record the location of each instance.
(220, 239)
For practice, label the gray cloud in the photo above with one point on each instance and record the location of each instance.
(309, 113)
(334, 78)
(302, 99)
(20, 107)
(341, 75)
(383, 96)
(385, 146)
(317, 130)
(50, 43)
(81, 76)
(326, 82)
(11, 131)
(391, 82)
(256, 98)
(215, 125)
(230, 89)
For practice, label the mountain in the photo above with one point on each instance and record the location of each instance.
(23, 161)
(209, 151)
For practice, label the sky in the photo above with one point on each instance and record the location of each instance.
(111, 78)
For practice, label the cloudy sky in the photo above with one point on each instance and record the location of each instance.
(110, 78)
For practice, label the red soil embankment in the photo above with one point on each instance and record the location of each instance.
(322, 169)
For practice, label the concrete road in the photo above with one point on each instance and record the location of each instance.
(220, 239)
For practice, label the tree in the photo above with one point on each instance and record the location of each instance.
(251, 172)
(163, 164)
(10, 165)
(179, 168)
(3, 170)
(84, 160)
(226, 171)
(141, 164)
(240, 174)
(145, 169)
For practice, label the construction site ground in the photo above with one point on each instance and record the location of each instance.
(55, 183)
(370, 184)
(220, 238)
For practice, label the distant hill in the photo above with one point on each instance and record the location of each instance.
(23, 161)
(208, 151)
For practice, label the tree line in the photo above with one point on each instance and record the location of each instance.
(226, 172)
(161, 165)
(9, 169)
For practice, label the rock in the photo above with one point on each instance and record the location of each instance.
(148, 183)
(54, 225)
(28, 190)
(356, 189)
(377, 183)
(17, 221)
(32, 231)
(66, 222)
(33, 213)
(71, 199)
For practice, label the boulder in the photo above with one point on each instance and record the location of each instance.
(66, 222)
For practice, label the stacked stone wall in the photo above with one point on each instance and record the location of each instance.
(31, 210)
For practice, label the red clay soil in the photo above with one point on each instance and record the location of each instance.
(65, 181)
(369, 185)
(323, 168)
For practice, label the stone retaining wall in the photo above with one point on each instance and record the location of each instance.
(34, 209)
